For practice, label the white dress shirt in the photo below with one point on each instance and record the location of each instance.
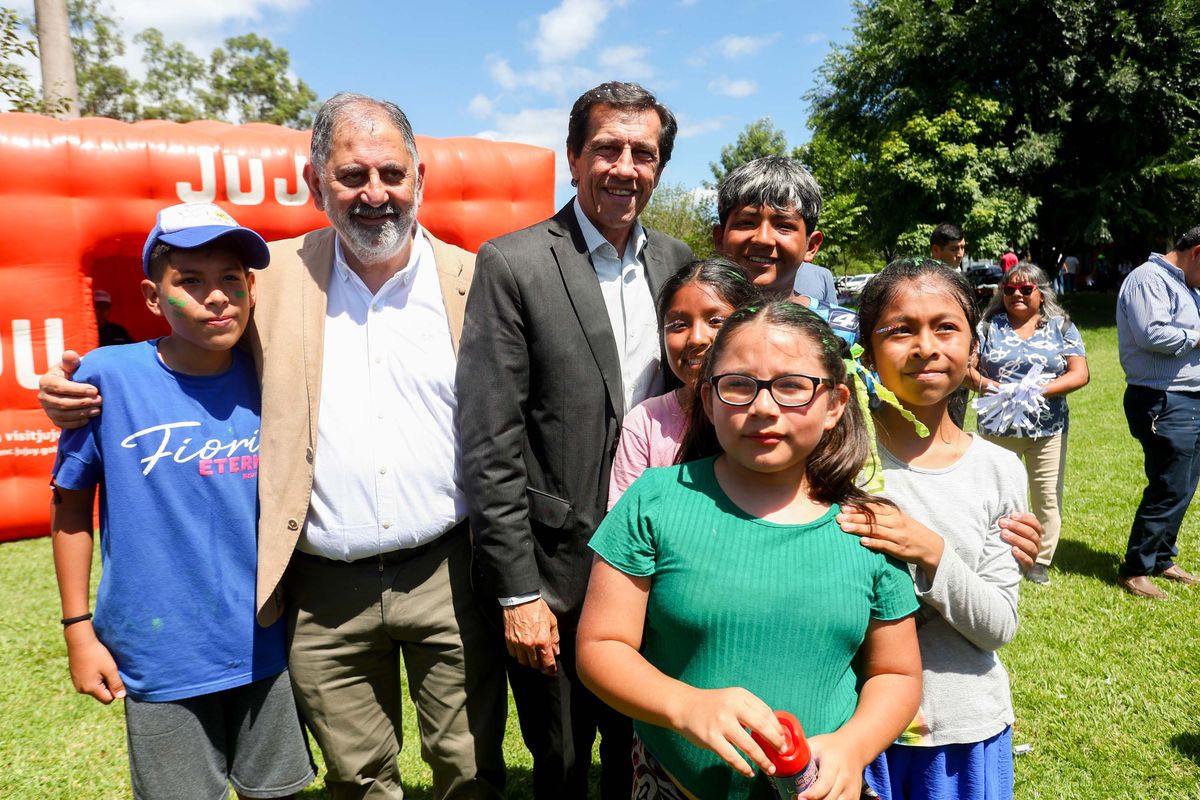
(630, 305)
(387, 473)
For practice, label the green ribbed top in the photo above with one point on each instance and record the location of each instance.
(780, 610)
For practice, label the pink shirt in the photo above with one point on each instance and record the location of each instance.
(650, 437)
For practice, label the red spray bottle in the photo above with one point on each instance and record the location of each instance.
(795, 769)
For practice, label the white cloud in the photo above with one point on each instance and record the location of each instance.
(567, 29)
(544, 127)
(741, 46)
(732, 88)
(686, 3)
(481, 105)
(553, 80)
(626, 62)
(200, 26)
(814, 38)
(189, 22)
(689, 128)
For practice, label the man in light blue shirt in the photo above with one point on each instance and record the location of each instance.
(1158, 329)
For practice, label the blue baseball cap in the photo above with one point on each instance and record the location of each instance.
(190, 225)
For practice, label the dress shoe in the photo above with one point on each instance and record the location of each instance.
(1038, 573)
(1178, 573)
(1140, 586)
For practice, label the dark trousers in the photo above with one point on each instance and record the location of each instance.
(354, 625)
(559, 722)
(1167, 424)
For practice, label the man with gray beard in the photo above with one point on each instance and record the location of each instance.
(363, 539)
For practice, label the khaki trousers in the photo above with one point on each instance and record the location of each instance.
(1045, 460)
(350, 625)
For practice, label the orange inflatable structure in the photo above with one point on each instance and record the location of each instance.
(78, 198)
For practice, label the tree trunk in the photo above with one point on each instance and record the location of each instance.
(58, 61)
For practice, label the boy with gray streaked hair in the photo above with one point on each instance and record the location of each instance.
(767, 212)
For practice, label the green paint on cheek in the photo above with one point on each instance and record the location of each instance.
(240, 295)
(177, 302)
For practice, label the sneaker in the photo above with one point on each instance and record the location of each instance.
(1039, 574)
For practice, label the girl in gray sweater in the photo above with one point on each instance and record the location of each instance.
(917, 326)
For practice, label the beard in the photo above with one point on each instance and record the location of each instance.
(374, 244)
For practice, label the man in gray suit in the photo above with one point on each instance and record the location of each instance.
(560, 340)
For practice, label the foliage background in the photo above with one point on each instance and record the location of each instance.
(1043, 123)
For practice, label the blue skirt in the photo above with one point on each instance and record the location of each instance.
(977, 771)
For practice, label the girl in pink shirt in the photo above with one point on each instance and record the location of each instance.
(692, 305)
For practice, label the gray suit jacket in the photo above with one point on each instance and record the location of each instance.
(540, 408)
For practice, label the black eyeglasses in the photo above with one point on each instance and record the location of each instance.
(788, 391)
(1024, 288)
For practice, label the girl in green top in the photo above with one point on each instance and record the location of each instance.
(724, 587)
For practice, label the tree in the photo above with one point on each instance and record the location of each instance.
(246, 80)
(250, 75)
(1072, 121)
(759, 138)
(929, 167)
(59, 86)
(687, 214)
(15, 86)
(844, 220)
(105, 89)
(175, 79)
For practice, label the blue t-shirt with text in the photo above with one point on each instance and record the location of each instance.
(176, 460)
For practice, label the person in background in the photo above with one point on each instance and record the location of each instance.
(1070, 273)
(1158, 332)
(767, 211)
(110, 332)
(1009, 259)
(1023, 328)
(948, 245)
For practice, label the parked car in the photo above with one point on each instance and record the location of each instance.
(986, 279)
(851, 286)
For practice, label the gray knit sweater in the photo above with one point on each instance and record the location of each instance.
(969, 610)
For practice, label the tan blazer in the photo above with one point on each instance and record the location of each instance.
(286, 338)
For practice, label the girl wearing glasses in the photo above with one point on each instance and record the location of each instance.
(1024, 326)
(917, 326)
(723, 587)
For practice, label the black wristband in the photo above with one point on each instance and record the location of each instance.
(72, 620)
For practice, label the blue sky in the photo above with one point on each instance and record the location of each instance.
(510, 70)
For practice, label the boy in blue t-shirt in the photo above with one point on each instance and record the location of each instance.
(206, 691)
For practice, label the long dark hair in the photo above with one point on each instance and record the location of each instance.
(879, 292)
(842, 450)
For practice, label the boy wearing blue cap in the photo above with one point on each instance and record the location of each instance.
(207, 695)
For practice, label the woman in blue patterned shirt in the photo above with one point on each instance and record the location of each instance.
(1024, 326)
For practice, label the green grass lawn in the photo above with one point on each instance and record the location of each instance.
(1106, 687)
